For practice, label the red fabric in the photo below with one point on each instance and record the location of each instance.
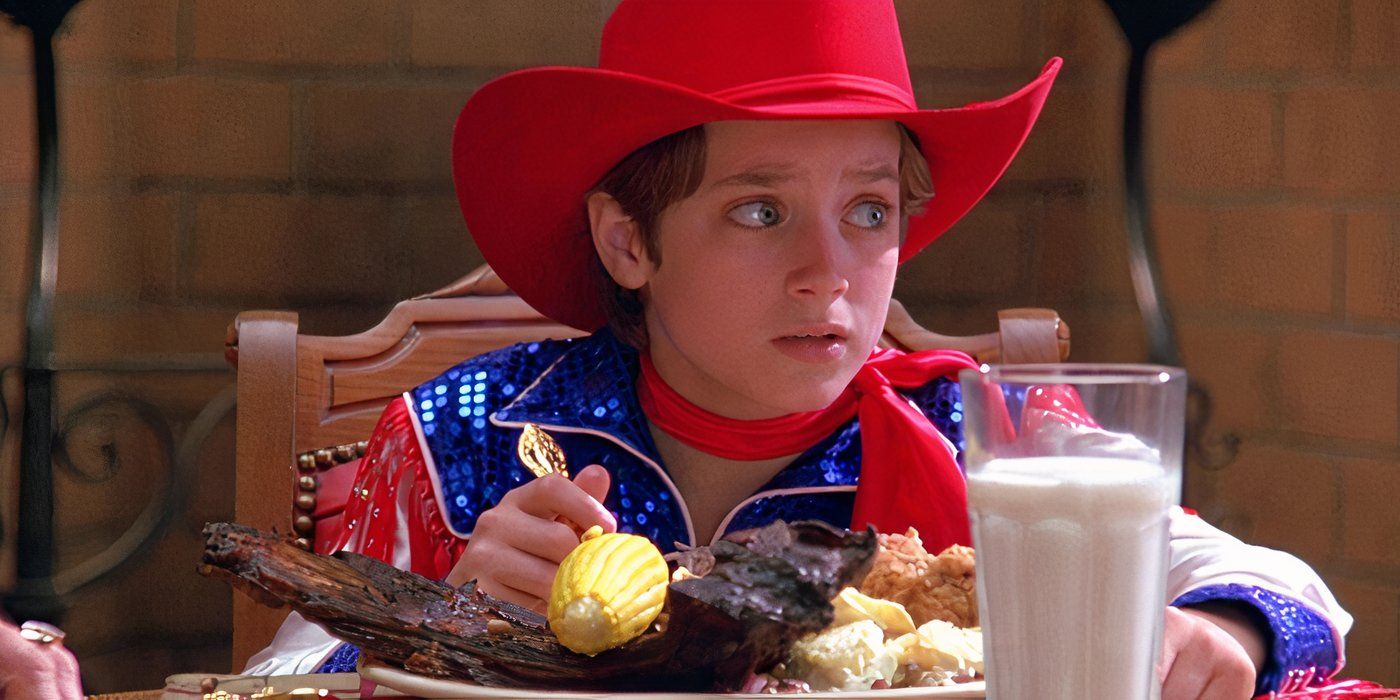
(1334, 690)
(529, 144)
(369, 526)
(332, 493)
(909, 475)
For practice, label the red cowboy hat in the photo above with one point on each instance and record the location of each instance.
(529, 144)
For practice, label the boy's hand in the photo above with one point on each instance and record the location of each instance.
(517, 545)
(1212, 653)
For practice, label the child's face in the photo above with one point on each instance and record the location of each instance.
(776, 274)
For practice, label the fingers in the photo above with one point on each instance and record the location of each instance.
(594, 480)
(527, 574)
(516, 546)
(546, 539)
(1202, 661)
(554, 496)
(501, 591)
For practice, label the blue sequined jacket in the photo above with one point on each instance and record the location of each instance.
(582, 393)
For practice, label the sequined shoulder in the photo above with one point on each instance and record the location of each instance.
(521, 361)
(941, 401)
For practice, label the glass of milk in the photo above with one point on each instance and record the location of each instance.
(1071, 470)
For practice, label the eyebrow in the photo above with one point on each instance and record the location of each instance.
(773, 174)
(878, 173)
(758, 176)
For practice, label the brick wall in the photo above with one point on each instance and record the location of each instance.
(219, 157)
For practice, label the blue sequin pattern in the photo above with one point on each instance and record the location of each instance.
(1302, 638)
(583, 393)
(342, 660)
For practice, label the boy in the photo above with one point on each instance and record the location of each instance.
(724, 204)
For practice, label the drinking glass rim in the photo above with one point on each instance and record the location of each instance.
(1074, 373)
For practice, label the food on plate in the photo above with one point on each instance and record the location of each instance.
(853, 606)
(774, 608)
(607, 591)
(872, 644)
(751, 597)
(941, 587)
(847, 657)
(938, 654)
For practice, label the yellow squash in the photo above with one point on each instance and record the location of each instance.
(607, 591)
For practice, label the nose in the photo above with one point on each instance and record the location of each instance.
(820, 259)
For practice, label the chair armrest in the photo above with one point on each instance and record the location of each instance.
(1025, 335)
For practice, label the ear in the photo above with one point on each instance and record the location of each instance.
(618, 240)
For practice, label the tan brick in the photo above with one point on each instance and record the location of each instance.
(17, 143)
(95, 131)
(389, 133)
(1370, 490)
(1342, 140)
(1375, 24)
(1193, 46)
(1103, 335)
(1186, 251)
(1275, 257)
(1281, 498)
(211, 127)
(933, 90)
(1235, 365)
(1086, 36)
(317, 32)
(963, 34)
(98, 335)
(971, 318)
(286, 250)
(119, 30)
(128, 627)
(1075, 138)
(118, 247)
(11, 334)
(984, 254)
(1206, 138)
(1373, 645)
(15, 223)
(1282, 35)
(439, 248)
(15, 47)
(1373, 266)
(505, 33)
(1339, 385)
(1084, 254)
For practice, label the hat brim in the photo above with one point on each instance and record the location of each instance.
(529, 144)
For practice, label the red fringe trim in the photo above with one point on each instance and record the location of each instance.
(370, 524)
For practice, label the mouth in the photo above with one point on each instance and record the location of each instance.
(823, 331)
(815, 345)
(811, 336)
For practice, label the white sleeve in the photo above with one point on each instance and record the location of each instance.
(301, 646)
(1203, 556)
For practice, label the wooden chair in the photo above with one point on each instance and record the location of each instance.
(304, 400)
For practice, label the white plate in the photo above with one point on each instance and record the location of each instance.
(437, 689)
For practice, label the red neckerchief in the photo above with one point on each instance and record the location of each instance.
(909, 476)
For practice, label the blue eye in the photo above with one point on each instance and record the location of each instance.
(756, 214)
(868, 215)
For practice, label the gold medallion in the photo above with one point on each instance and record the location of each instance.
(540, 453)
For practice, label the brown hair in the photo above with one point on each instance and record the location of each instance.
(670, 169)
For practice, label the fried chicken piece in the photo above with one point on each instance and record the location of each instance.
(930, 587)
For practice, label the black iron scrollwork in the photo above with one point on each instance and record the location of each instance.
(35, 536)
(1144, 23)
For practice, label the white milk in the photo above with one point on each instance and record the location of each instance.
(1071, 559)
